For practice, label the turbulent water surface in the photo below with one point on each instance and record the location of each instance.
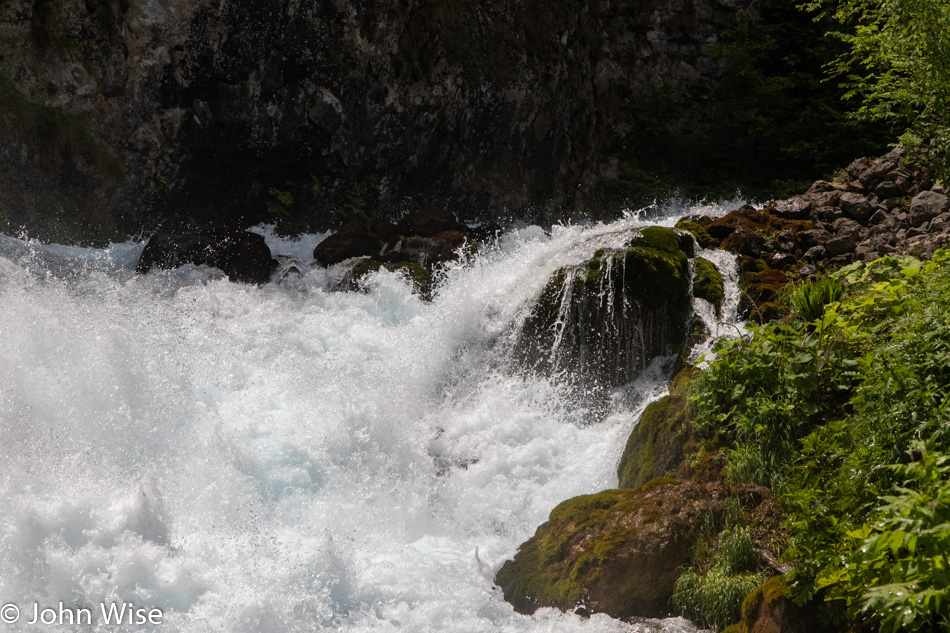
(283, 458)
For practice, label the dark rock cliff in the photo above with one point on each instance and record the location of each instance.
(304, 111)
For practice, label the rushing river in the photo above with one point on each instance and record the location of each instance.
(283, 458)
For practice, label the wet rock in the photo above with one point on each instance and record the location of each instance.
(617, 552)
(385, 231)
(697, 225)
(353, 240)
(243, 257)
(354, 279)
(708, 284)
(744, 242)
(427, 251)
(655, 446)
(609, 317)
(428, 223)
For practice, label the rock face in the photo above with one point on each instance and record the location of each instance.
(242, 112)
(608, 318)
(243, 257)
(617, 552)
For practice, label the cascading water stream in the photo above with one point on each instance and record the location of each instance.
(283, 458)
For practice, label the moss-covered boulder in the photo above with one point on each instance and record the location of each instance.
(617, 552)
(770, 609)
(708, 284)
(420, 277)
(608, 318)
(696, 226)
(655, 447)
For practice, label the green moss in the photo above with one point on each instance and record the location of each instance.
(697, 229)
(658, 238)
(655, 445)
(545, 572)
(420, 277)
(708, 284)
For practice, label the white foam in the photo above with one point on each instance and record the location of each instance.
(282, 459)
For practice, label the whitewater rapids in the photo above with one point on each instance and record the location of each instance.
(284, 458)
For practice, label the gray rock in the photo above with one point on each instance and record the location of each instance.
(857, 206)
(880, 216)
(845, 226)
(888, 189)
(926, 206)
(821, 186)
(815, 253)
(827, 214)
(813, 237)
(840, 245)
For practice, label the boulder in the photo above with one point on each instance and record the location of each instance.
(353, 240)
(696, 225)
(617, 552)
(428, 223)
(708, 284)
(608, 318)
(244, 257)
(927, 205)
(856, 206)
(770, 609)
(419, 276)
(655, 446)
(441, 247)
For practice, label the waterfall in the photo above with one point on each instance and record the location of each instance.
(283, 457)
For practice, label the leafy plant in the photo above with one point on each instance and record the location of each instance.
(810, 298)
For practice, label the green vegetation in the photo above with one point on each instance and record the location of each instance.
(896, 65)
(712, 593)
(842, 409)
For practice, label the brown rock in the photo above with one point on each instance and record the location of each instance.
(428, 222)
(770, 609)
(353, 240)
